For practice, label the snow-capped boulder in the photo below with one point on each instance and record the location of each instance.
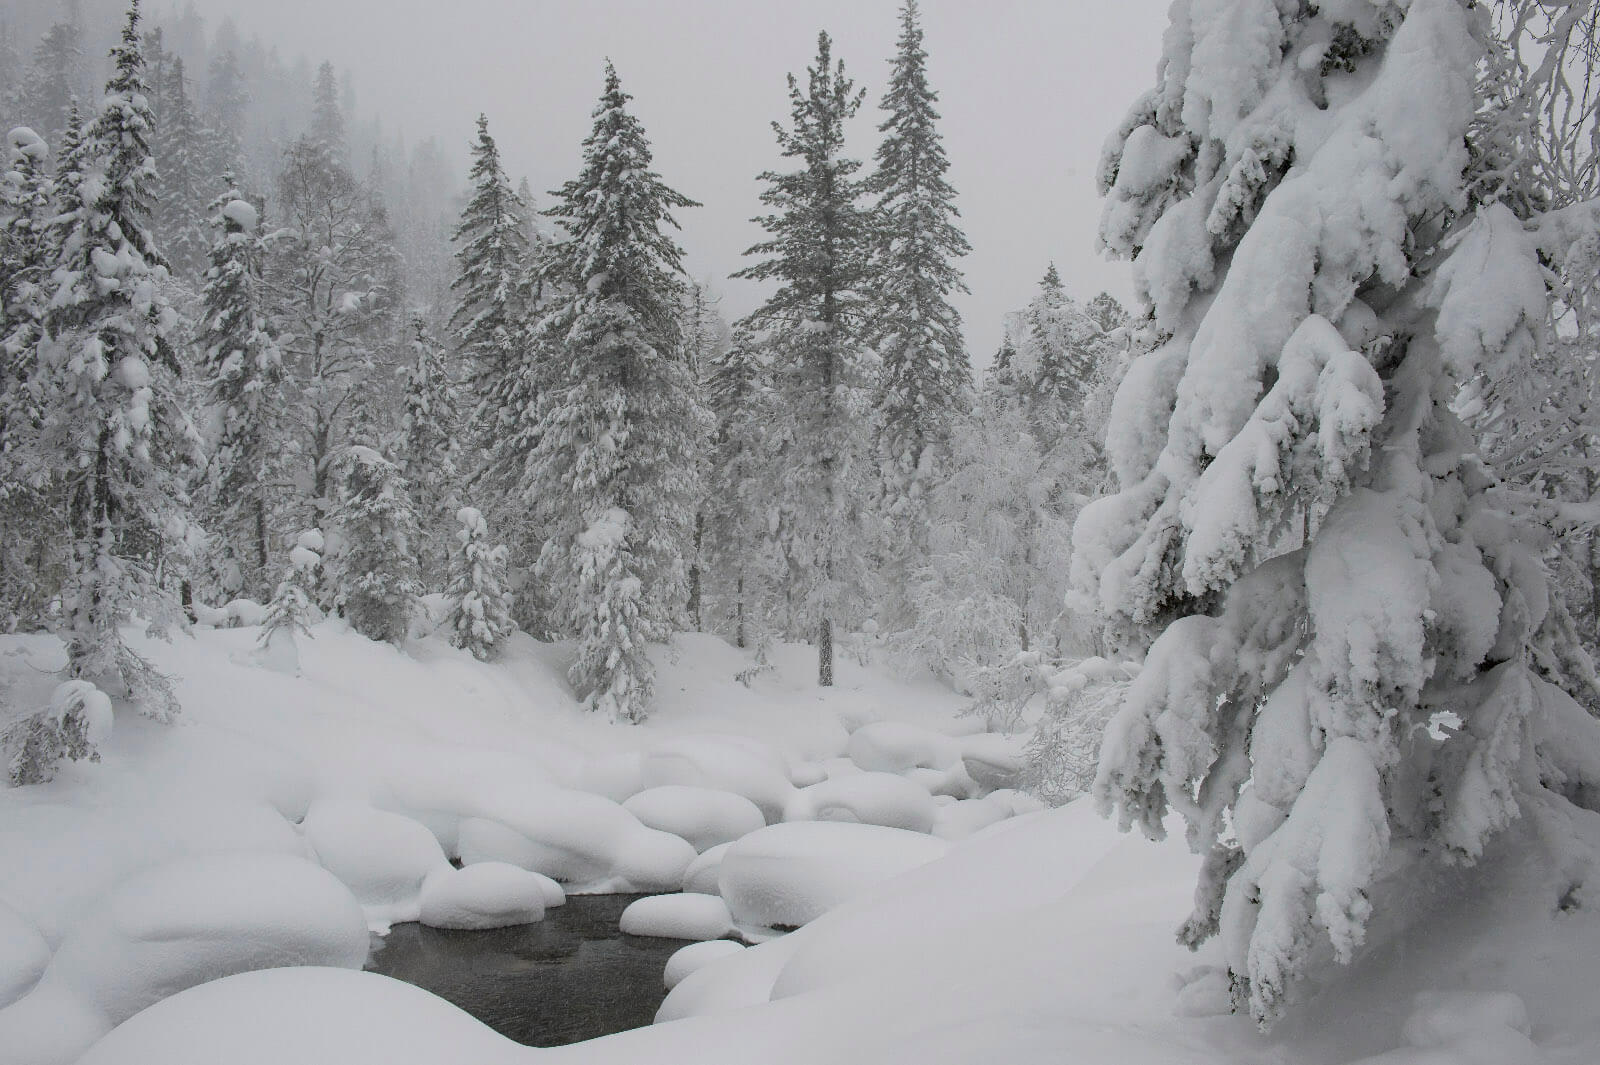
(180, 924)
(894, 746)
(870, 798)
(701, 876)
(993, 760)
(486, 895)
(380, 856)
(697, 956)
(679, 916)
(786, 875)
(704, 817)
(727, 763)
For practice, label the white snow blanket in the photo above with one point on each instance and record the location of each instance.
(870, 798)
(180, 924)
(680, 916)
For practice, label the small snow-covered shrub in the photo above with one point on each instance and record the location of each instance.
(70, 729)
(480, 614)
(1065, 749)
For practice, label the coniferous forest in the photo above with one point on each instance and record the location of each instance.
(458, 536)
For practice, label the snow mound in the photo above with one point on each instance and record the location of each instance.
(696, 956)
(241, 213)
(1465, 1028)
(24, 953)
(894, 746)
(381, 857)
(870, 798)
(684, 916)
(309, 1016)
(486, 895)
(177, 925)
(704, 817)
(726, 763)
(961, 819)
(588, 842)
(701, 876)
(786, 875)
(992, 760)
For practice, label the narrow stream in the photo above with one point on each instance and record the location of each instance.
(572, 976)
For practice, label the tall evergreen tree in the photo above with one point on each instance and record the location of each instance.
(480, 614)
(489, 318)
(374, 563)
(51, 87)
(814, 324)
(613, 468)
(926, 376)
(327, 116)
(111, 421)
(226, 99)
(180, 149)
(428, 448)
(243, 367)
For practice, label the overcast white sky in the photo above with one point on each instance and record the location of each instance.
(1029, 89)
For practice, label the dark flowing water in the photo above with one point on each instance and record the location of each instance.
(572, 976)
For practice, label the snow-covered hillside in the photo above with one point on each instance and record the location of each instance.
(180, 858)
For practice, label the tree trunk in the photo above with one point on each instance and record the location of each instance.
(738, 625)
(825, 654)
(694, 573)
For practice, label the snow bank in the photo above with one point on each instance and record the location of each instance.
(175, 926)
(486, 895)
(307, 1016)
(683, 916)
(895, 746)
(786, 875)
(24, 953)
(870, 798)
(701, 876)
(992, 760)
(705, 817)
(381, 857)
(696, 956)
(725, 763)
(1465, 1028)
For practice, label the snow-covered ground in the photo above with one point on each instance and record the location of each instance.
(283, 816)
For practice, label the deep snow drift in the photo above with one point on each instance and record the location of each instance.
(984, 930)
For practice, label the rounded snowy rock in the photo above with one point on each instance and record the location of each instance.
(870, 798)
(486, 895)
(381, 857)
(726, 763)
(704, 817)
(697, 956)
(24, 953)
(786, 875)
(894, 746)
(681, 916)
(701, 876)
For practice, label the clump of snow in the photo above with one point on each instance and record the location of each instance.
(71, 729)
(681, 916)
(993, 760)
(726, 763)
(705, 817)
(24, 953)
(381, 857)
(177, 925)
(786, 875)
(486, 895)
(242, 214)
(701, 876)
(696, 956)
(870, 798)
(895, 746)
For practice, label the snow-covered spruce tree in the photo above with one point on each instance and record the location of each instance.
(226, 100)
(480, 615)
(822, 372)
(1061, 351)
(489, 319)
(25, 264)
(291, 611)
(926, 379)
(1354, 669)
(737, 538)
(327, 117)
(374, 563)
(52, 86)
(243, 368)
(110, 426)
(428, 447)
(611, 478)
(179, 218)
(705, 337)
